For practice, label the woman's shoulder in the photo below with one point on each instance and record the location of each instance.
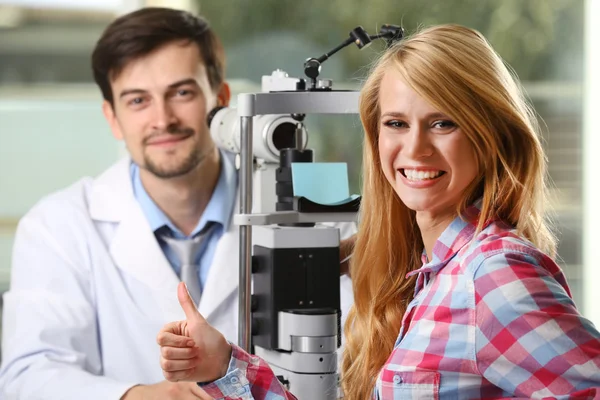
(499, 247)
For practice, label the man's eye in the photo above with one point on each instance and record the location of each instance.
(136, 101)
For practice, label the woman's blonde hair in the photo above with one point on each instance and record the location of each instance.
(456, 70)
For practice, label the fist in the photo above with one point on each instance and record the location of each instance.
(192, 350)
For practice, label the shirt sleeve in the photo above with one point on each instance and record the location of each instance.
(530, 339)
(248, 378)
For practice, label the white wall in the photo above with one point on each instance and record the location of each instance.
(46, 144)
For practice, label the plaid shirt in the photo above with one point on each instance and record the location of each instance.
(492, 317)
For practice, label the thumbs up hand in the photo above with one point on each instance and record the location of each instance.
(192, 350)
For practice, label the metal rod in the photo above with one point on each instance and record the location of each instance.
(338, 48)
(245, 328)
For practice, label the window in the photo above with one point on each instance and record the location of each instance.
(52, 131)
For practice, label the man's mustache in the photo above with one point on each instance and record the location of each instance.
(171, 130)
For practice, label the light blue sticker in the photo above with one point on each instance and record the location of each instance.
(323, 183)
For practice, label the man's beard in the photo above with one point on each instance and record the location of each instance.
(177, 167)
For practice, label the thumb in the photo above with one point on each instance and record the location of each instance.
(186, 302)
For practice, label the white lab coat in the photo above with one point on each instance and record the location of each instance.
(90, 290)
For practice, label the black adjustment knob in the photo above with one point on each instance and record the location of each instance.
(360, 37)
(312, 68)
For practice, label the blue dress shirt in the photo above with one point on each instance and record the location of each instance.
(219, 210)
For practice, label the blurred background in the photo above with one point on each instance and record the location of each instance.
(52, 131)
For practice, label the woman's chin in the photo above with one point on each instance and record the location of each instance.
(416, 201)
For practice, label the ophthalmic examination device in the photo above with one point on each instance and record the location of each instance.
(289, 297)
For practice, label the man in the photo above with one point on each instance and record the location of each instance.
(102, 256)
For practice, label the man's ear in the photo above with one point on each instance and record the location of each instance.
(109, 113)
(224, 95)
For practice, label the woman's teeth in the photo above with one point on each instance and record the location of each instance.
(415, 175)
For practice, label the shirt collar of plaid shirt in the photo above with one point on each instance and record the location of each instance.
(456, 236)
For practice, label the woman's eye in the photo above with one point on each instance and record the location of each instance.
(444, 124)
(395, 124)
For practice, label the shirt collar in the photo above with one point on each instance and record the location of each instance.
(458, 234)
(219, 208)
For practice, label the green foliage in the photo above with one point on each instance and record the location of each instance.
(531, 35)
(541, 39)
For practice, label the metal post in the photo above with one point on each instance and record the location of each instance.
(245, 328)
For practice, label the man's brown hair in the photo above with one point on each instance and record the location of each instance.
(140, 32)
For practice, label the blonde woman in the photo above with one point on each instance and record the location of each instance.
(456, 292)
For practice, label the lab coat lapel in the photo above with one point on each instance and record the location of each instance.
(223, 276)
(133, 247)
(136, 250)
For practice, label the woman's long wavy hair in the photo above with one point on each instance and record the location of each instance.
(456, 70)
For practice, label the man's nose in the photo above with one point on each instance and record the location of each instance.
(164, 115)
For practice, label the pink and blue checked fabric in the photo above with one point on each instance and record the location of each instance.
(492, 317)
(248, 377)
